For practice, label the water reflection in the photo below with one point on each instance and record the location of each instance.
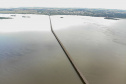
(24, 24)
(96, 45)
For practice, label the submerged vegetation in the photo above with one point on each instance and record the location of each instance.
(114, 13)
(25, 16)
(111, 18)
(6, 18)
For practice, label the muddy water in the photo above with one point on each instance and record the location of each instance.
(97, 45)
(29, 53)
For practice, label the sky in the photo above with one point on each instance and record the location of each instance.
(108, 4)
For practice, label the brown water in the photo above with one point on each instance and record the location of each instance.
(97, 45)
(29, 53)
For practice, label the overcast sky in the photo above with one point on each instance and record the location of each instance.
(112, 4)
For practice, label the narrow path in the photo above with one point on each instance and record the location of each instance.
(83, 79)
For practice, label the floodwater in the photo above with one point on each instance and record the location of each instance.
(30, 54)
(97, 46)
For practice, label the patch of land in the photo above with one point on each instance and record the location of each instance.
(109, 13)
(6, 18)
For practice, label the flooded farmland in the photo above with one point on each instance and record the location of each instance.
(30, 54)
(97, 46)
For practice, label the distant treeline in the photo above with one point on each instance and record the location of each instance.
(115, 13)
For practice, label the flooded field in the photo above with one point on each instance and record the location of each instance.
(97, 46)
(30, 54)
